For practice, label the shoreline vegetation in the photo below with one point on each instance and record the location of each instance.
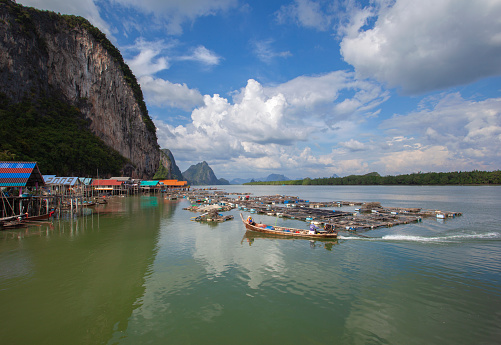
(474, 177)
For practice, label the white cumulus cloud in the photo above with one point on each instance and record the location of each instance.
(353, 145)
(426, 45)
(270, 127)
(202, 55)
(459, 132)
(162, 92)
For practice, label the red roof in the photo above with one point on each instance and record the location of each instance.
(106, 183)
(20, 174)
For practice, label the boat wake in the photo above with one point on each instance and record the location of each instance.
(440, 239)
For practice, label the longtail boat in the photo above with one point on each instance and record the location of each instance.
(288, 232)
(11, 222)
(40, 217)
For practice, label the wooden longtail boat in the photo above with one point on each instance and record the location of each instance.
(40, 217)
(287, 232)
(11, 222)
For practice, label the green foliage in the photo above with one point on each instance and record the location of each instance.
(7, 156)
(448, 178)
(162, 173)
(56, 136)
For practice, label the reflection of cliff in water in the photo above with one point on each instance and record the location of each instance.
(85, 277)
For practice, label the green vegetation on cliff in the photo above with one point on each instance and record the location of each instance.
(432, 178)
(171, 172)
(162, 173)
(56, 136)
(24, 15)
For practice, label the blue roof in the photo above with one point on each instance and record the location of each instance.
(20, 174)
(66, 181)
(86, 180)
(149, 183)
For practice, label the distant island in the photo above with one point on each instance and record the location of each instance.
(202, 174)
(474, 177)
(271, 177)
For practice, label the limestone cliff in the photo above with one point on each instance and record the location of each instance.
(45, 54)
(168, 169)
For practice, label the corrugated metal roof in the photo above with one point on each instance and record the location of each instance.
(85, 180)
(174, 183)
(125, 178)
(20, 174)
(106, 183)
(65, 181)
(149, 183)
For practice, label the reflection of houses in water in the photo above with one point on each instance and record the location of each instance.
(94, 269)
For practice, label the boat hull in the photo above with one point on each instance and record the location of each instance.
(40, 217)
(288, 232)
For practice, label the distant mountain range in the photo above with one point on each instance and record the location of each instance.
(202, 174)
(270, 178)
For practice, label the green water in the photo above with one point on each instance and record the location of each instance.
(138, 271)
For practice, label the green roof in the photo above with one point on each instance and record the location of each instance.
(149, 183)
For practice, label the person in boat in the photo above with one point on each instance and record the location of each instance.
(250, 220)
(313, 229)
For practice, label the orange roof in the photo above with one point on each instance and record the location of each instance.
(166, 182)
(174, 183)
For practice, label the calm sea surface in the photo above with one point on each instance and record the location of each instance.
(138, 271)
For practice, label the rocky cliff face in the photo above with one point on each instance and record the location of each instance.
(168, 169)
(45, 54)
(168, 161)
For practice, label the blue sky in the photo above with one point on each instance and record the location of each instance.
(311, 88)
